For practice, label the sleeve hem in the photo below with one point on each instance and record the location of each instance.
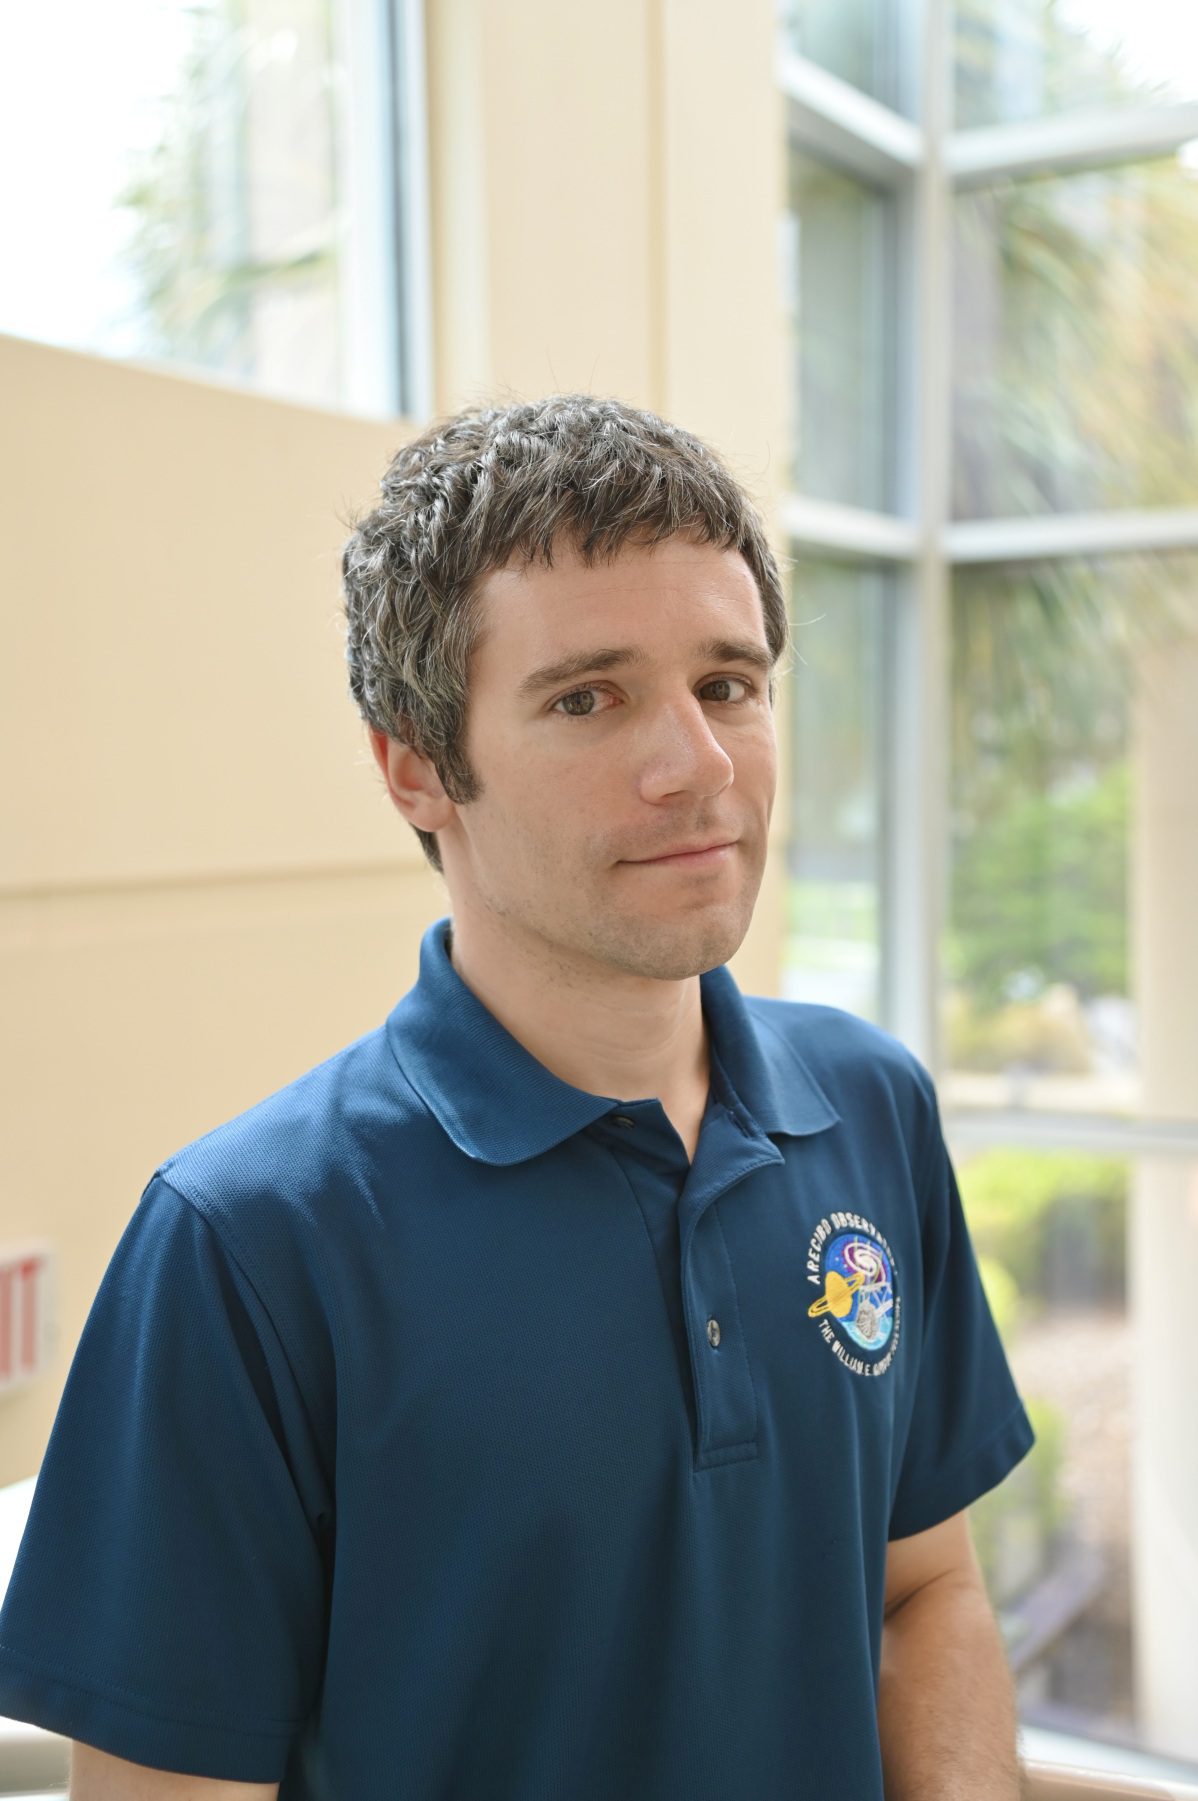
(41, 1697)
(983, 1469)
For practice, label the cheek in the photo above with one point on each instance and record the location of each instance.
(537, 810)
(755, 760)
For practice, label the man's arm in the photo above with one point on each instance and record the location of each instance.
(96, 1776)
(946, 1704)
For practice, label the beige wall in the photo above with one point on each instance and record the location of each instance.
(204, 889)
(607, 183)
(1163, 1215)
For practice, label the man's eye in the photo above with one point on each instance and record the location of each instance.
(717, 681)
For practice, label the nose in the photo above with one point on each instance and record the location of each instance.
(680, 753)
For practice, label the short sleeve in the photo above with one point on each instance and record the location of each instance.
(168, 1600)
(968, 1426)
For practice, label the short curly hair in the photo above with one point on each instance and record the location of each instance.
(492, 483)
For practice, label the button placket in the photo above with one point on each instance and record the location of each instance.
(725, 1400)
(725, 1405)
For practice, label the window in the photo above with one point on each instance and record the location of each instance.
(186, 181)
(993, 739)
(1073, 692)
(1078, 1545)
(839, 232)
(841, 616)
(853, 39)
(1026, 59)
(1051, 274)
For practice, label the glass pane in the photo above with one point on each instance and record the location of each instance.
(1027, 59)
(1086, 1545)
(855, 39)
(1070, 957)
(1076, 355)
(171, 186)
(841, 286)
(840, 618)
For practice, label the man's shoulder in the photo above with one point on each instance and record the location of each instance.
(320, 1135)
(867, 1074)
(838, 1043)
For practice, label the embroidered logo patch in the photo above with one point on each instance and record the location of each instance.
(859, 1309)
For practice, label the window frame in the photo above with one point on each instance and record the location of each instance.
(924, 162)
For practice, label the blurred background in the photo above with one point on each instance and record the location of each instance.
(926, 275)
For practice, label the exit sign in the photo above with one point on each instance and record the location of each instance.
(27, 1312)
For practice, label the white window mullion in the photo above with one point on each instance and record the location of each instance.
(1080, 140)
(368, 295)
(1070, 535)
(414, 232)
(1106, 1135)
(837, 121)
(825, 525)
(916, 768)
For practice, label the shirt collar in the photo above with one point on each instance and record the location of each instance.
(500, 1105)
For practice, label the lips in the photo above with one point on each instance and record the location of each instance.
(690, 850)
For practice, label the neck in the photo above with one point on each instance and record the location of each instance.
(604, 1031)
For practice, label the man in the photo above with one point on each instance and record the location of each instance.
(574, 1387)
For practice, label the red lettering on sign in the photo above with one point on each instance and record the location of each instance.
(29, 1271)
(5, 1321)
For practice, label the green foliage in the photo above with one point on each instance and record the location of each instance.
(1043, 889)
(1044, 668)
(1043, 1035)
(1054, 1222)
(1002, 1294)
(1078, 390)
(1015, 1525)
(1048, 660)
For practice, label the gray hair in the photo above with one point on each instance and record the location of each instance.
(490, 483)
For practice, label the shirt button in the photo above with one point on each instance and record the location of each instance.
(713, 1331)
(622, 1119)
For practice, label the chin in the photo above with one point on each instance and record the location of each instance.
(673, 948)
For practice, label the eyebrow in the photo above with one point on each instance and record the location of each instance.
(591, 662)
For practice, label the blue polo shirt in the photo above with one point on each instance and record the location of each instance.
(439, 1433)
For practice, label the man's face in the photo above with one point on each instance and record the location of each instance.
(677, 748)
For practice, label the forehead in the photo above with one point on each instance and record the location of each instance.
(650, 593)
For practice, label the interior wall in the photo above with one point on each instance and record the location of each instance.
(1163, 1202)
(607, 185)
(205, 889)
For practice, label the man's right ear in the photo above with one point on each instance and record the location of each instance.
(412, 782)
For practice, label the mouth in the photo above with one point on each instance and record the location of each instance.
(711, 858)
